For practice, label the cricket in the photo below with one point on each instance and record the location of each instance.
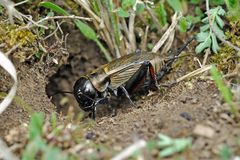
(123, 76)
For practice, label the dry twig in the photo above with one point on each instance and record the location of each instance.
(194, 73)
(169, 31)
(130, 150)
(144, 40)
(207, 53)
(51, 18)
(132, 38)
(12, 49)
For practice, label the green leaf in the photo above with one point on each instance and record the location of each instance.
(140, 8)
(178, 146)
(219, 21)
(221, 11)
(127, 3)
(232, 4)
(164, 141)
(206, 35)
(233, 8)
(86, 30)
(122, 13)
(33, 147)
(204, 28)
(95, 7)
(38, 54)
(198, 12)
(35, 126)
(151, 144)
(176, 5)
(190, 19)
(53, 153)
(215, 46)
(183, 24)
(205, 20)
(149, 46)
(50, 14)
(216, 2)
(162, 14)
(171, 146)
(214, 11)
(195, 1)
(225, 153)
(205, 44)
(1, 9)
(193, 20)
(218, 31)
(54, 7)
(202, 36)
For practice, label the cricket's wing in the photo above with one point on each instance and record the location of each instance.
(121, 75)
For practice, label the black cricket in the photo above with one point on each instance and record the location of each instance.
(122, 76)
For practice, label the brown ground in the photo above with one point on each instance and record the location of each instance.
(174, 112)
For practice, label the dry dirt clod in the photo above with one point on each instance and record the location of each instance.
(17, 135)
(226, 117)
(205, 131)
(206, 154)
(199, 144)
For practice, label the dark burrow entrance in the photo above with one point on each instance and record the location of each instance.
(84, 56)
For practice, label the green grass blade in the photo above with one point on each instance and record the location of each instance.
(224, 90)
(54, 8)
(86, 30)
(36, 124)
(176, 5)
(162, 14)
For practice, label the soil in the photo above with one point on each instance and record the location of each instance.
(174, 111)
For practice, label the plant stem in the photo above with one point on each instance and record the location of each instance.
(103, 49)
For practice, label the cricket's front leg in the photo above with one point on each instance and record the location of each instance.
(98, 101)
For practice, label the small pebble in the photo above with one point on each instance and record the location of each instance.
(117, 148)
(194, 100)
(186, 116)
(205, 131)
(89, 135)
(236, 158)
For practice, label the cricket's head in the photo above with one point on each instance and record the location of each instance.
(85, 93)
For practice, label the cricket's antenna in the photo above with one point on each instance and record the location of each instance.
(58, 92)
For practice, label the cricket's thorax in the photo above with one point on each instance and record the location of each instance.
(119, 71)
(99, 79)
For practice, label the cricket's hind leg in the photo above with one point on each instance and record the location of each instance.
(140, 76)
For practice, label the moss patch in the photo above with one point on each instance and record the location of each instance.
(25, 40)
